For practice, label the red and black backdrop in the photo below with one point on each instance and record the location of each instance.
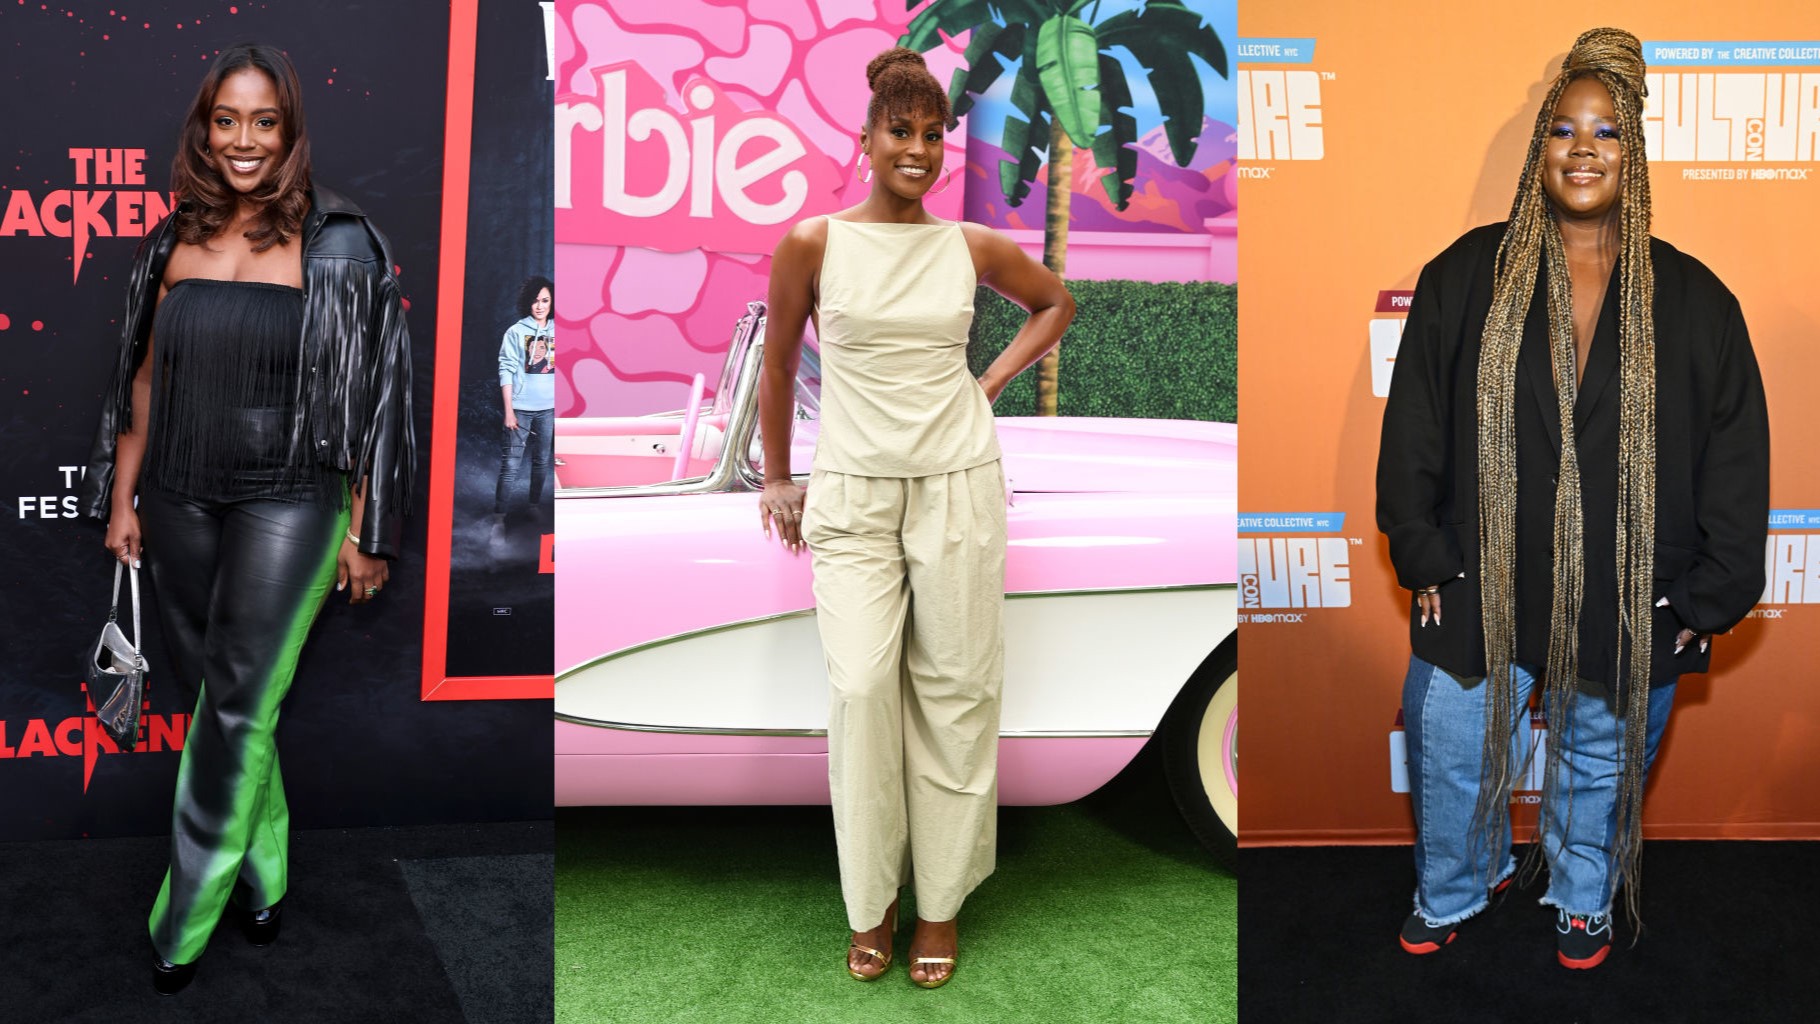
(90, 107)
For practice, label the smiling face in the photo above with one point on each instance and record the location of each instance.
(246, 136)
(906, 153)
(540, 306)
(1583, 157)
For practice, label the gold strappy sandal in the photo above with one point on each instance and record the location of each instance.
(884, 959)
(939, 982)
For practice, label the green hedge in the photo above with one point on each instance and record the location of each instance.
(1136, 348)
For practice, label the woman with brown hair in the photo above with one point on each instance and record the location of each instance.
(906, 505)
(255, 449)
(1575, 461)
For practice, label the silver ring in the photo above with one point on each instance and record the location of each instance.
(796, 515)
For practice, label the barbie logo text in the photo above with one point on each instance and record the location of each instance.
(630, 170)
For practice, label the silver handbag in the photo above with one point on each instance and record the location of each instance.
(116, 671)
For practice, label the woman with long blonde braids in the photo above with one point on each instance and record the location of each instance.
(1575, 463)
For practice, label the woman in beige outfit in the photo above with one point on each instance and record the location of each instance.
(908, 511)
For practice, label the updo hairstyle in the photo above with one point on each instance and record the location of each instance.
(901, 84)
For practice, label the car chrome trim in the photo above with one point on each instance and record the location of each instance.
(691, 730)
(801, 612)
(725, 476)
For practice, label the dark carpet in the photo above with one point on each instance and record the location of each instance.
(1728, 936)
(478, 911)
(439, 923)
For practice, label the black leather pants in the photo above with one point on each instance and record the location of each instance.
(238, 584)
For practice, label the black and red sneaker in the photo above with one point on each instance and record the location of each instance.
(1421, 937)
(1582, 940)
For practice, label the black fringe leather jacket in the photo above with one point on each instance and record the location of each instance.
(355, 394)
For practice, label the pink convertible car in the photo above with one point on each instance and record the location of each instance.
(689, 670)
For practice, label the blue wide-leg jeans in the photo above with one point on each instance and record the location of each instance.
(1444, 725)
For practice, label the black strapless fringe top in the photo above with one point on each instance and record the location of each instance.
(226, 387)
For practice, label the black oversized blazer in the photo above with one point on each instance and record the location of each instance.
(1712, 455)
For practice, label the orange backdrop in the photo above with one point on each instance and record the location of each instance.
(1377, 134)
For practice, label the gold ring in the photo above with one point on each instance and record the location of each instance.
(372, 591)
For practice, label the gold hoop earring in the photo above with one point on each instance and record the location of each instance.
(865, 179)
(947, 176)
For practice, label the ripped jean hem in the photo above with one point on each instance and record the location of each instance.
(1439, 922)
(1550, 901)
(1490, 891)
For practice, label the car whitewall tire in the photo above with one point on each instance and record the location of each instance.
(1200, 752)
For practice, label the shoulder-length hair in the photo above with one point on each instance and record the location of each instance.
(205, 203)
(527, 294)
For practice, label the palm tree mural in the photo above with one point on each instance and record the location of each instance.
(1070, 90)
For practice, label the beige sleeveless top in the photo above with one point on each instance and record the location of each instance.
(897, 397)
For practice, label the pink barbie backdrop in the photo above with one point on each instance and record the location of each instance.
(690, 136)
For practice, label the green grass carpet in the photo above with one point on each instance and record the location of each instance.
(1103, 910)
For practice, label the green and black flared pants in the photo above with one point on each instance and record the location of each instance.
(238, 584)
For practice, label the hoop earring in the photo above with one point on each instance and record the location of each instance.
(947, 176)
(866, 178)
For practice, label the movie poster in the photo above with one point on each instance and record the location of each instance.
(488, 634)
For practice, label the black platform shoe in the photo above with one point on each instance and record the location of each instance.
(261, 926)
(169, 978)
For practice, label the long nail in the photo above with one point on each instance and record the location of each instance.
(1679, 647)
(135, 563)
(1703, 646)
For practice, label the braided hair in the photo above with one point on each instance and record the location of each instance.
(1532, 244)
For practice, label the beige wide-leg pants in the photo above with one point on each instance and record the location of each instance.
(909, 595)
